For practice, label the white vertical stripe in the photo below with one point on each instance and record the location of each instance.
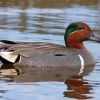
(82, 64)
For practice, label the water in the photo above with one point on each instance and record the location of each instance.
(45, 21)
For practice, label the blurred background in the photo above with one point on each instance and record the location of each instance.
(41, 20)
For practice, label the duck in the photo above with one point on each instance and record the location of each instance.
(40, 54)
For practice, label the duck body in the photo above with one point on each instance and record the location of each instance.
(72, 55)
(48, 54)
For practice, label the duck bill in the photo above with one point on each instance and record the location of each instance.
(94, 38)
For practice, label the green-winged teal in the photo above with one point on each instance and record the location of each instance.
(40, 54)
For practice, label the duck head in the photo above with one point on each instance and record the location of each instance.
(78, 32)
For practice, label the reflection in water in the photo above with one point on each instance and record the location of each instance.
(77, 87)
(8, 72)
(38, 74)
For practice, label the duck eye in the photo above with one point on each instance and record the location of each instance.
(81, 28)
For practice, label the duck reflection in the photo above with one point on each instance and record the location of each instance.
(77, 87)
(8, 72)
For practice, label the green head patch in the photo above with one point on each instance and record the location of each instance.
(70, 28)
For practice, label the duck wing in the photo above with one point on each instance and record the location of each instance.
(17, 50)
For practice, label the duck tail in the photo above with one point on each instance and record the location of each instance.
(7, 42)
(9, 57)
